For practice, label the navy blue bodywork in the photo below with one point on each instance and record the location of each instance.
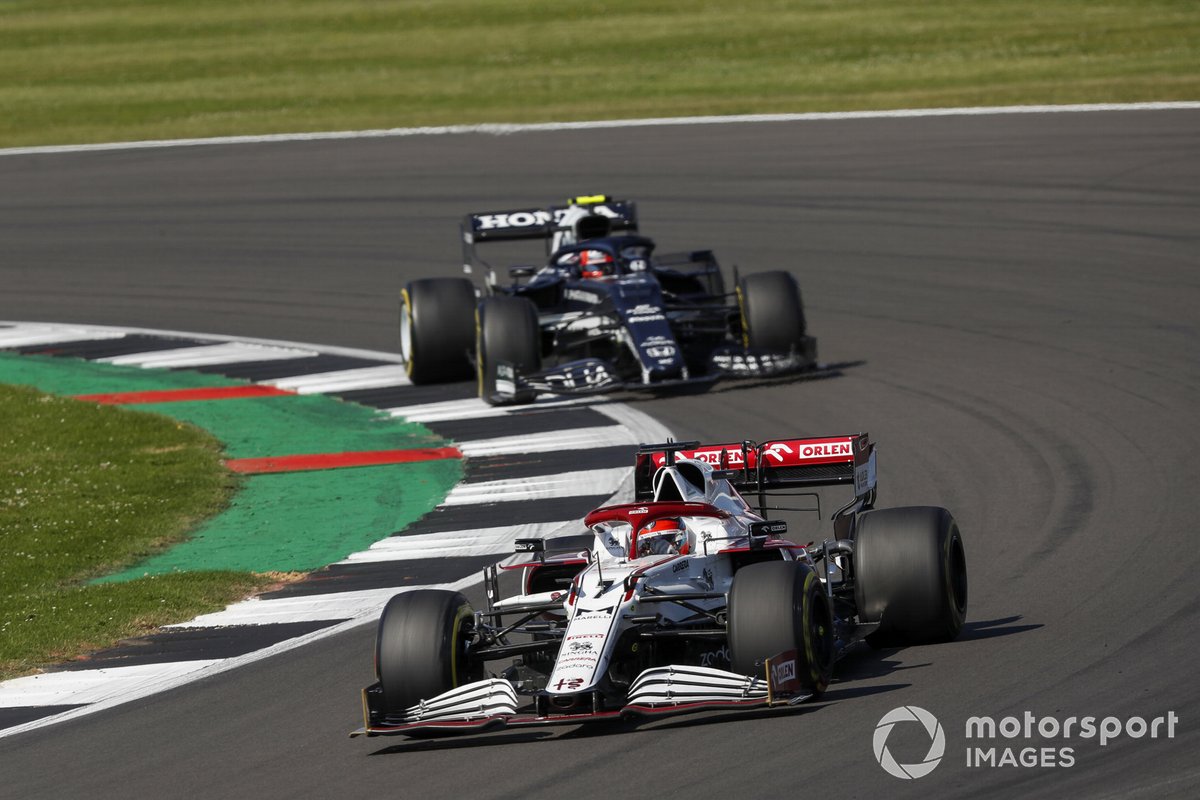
(613, 314)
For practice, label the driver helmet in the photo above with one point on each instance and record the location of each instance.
(596, 264)
(663, 537)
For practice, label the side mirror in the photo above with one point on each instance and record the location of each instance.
(761, 531)
(521, 272)
(537, 546)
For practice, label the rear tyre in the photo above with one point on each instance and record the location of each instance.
(436, 323)
(421, 647)
(776, 606)
(506, 330)
(772, 312)
(910, 575)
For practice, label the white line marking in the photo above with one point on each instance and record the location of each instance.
(541, 487)
(473, 408)
(213, 668)
(207, 355)
(307, 608)
(557, 441)
(644, 428)
(454, 544)
(345, 380)
(92, 685)
(24, 334)
(100, 331)
(502, 129)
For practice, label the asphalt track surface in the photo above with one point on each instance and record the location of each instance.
(1015, 300)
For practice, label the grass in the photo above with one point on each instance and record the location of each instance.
(85, 489)
(102, 70)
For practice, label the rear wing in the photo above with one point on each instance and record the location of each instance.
(772, 465)
(541, 223)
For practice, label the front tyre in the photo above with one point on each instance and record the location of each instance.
(436, 324)
(910, 575)
(422, 647)
(775, 606)
(772, 312)
(506, 331)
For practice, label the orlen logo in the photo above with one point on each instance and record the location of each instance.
(707, 456)
(826, 450)
(777, 450)
(932, 729)
(785, 671)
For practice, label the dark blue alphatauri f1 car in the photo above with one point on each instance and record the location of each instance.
(604, 313)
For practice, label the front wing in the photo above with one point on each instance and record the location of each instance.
(490, 705)
(589, 376)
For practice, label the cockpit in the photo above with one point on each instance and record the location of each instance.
(605, 258)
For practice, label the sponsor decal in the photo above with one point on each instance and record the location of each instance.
(577, 646)
(515, 219)
(568, 684)
(825, 450)
(680, 566)
(579, 662)
(792, 452)
(660, 347)
(781, 673)
(583, 296)
(860, 479)
(714, 658)
(639, 510)
(750, 362)
(586, 636)
(592, 374)
(645, 313)
(506, 379)
(777, 450)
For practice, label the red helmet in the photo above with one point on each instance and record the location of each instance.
(595, 264)
(665, 536)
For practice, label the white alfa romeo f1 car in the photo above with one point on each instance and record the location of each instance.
(689, 599)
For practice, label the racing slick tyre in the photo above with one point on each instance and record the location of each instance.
(506, 330)
(772, 312)
(910, 575)
(436, 316)
(775, 606)
(421, 647)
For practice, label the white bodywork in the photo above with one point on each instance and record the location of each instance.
(609, 590)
